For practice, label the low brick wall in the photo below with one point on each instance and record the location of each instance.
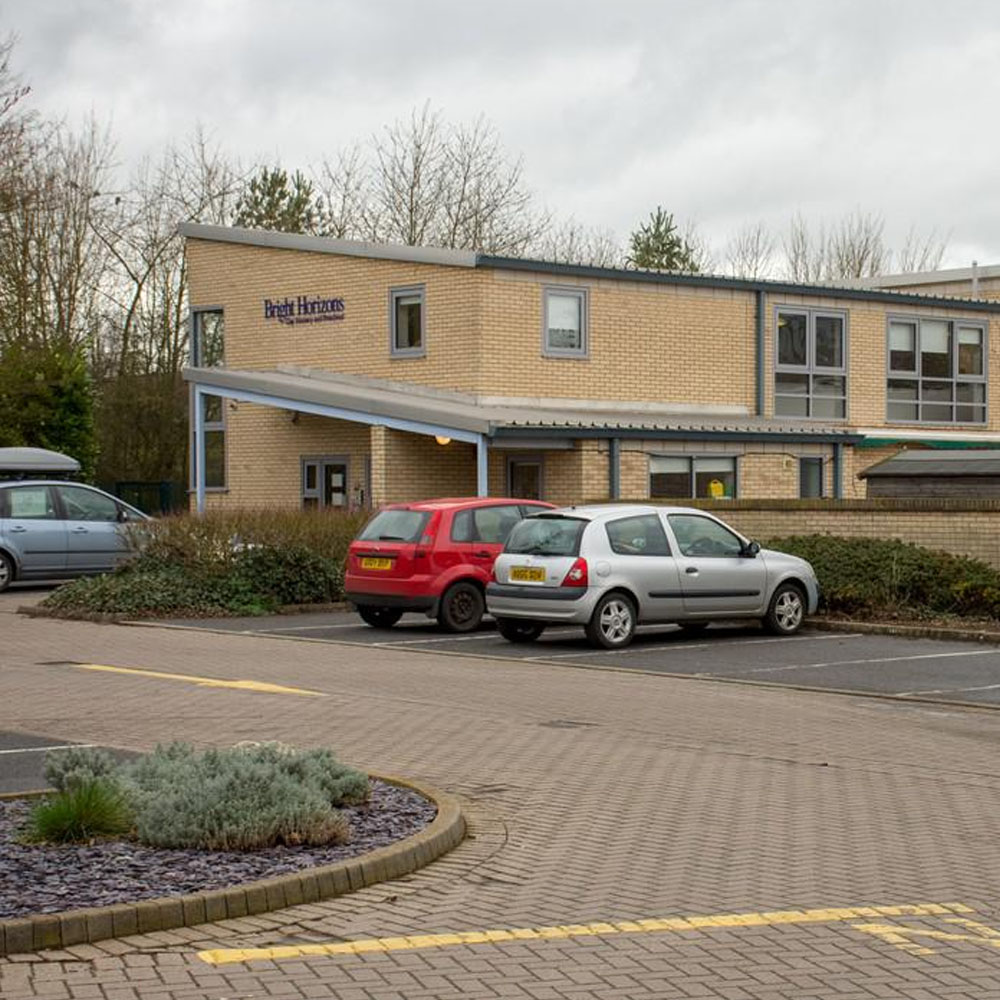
(962, 527)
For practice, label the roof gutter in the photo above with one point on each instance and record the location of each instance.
(673, 434)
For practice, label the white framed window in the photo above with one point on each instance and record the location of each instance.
(712, 477)
(407, 322)
(936, 371)
(810, 363)
(564, 322)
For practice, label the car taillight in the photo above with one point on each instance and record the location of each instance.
(577, 575)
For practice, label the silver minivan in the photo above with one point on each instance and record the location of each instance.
(56, 529)
(612, 567)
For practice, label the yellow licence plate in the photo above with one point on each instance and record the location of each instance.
(372, 563)
(529, 574)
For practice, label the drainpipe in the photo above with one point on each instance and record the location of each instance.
(199, 449)
(761, 305)
(838, 471)
(975, 279)
(482, 467)
(614, 468)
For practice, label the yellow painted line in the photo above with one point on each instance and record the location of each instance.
(899, 936)
(225, 956)
(261, 686)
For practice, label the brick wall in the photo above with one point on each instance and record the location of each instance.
(968, 528)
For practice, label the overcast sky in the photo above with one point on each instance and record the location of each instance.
(724, 111)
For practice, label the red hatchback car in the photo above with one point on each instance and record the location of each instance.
(433, 556)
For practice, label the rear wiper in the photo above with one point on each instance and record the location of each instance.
(391, 538)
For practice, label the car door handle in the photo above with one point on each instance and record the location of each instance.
(482, 554)
(18, 528)
(80, 530)
(693, 570)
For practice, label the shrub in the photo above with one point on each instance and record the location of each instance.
(76, 766)
(89, 809)
(885, 576)
(244, 562)
(242, 798)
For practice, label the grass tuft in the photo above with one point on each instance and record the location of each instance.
(83, 812)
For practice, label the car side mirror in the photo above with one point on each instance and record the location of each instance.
(751, 549)
(123, 515)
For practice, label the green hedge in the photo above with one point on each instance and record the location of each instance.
(887, 577)
(248, 562)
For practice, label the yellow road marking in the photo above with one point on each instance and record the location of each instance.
(897, 935)
(225, 956)
(261, 686)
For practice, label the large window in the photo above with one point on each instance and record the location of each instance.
(711, 477)
(406, 320)
(207, 338)
(810, 377)
(564, 322)
(937, 371)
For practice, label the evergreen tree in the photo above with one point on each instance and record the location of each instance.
(658, 244)
(274, 200)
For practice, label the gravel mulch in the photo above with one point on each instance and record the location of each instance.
(37, 878)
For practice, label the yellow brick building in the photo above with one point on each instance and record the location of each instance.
(337, 373)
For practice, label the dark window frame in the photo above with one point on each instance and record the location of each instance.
(811, 461)
(811, 370)
(395, 294)
(916, 376)
(692, 494)
(582, 294)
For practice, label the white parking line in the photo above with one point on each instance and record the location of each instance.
(458, 638)
(981, 687)
(62, 746)
(296, 628)
(878, 659)
(792, 638)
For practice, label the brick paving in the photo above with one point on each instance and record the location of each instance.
(591, 796)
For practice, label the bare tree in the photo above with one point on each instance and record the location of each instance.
(571, 242)
(856, 247)
(750, 253)
(805, 253)
(409, 183)
(921, 253)
(342, 187)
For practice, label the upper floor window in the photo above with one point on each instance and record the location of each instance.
(207, 338)
(564, 322)
(810, 378)
(407, 321)
(936, 371)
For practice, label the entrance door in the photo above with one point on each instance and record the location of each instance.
(324, 482)
(525, 478)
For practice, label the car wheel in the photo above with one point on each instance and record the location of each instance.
(612, 625)
(786, 610)
(462, 608)
(379, 617)
(6, 571)
(517, 630)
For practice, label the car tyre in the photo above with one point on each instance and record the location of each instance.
(379, 617)
(612, 625)
(6, 571)
(518, 630)
(786, 611)
(462, 607)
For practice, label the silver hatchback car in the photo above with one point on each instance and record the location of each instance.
(612, 567)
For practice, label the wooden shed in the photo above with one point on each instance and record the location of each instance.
(964, 473)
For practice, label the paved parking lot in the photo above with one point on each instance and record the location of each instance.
(930, 669)
(632, 836)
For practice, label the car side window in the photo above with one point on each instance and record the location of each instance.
(494, 524)
(701, 536)
(86, 505)
(638, 536)
(31, 503)
(462, 528)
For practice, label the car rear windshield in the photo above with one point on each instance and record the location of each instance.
(395, 526)
(546, 536)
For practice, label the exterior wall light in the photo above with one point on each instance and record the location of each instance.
(442, 440)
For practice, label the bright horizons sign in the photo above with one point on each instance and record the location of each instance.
(303, 309)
